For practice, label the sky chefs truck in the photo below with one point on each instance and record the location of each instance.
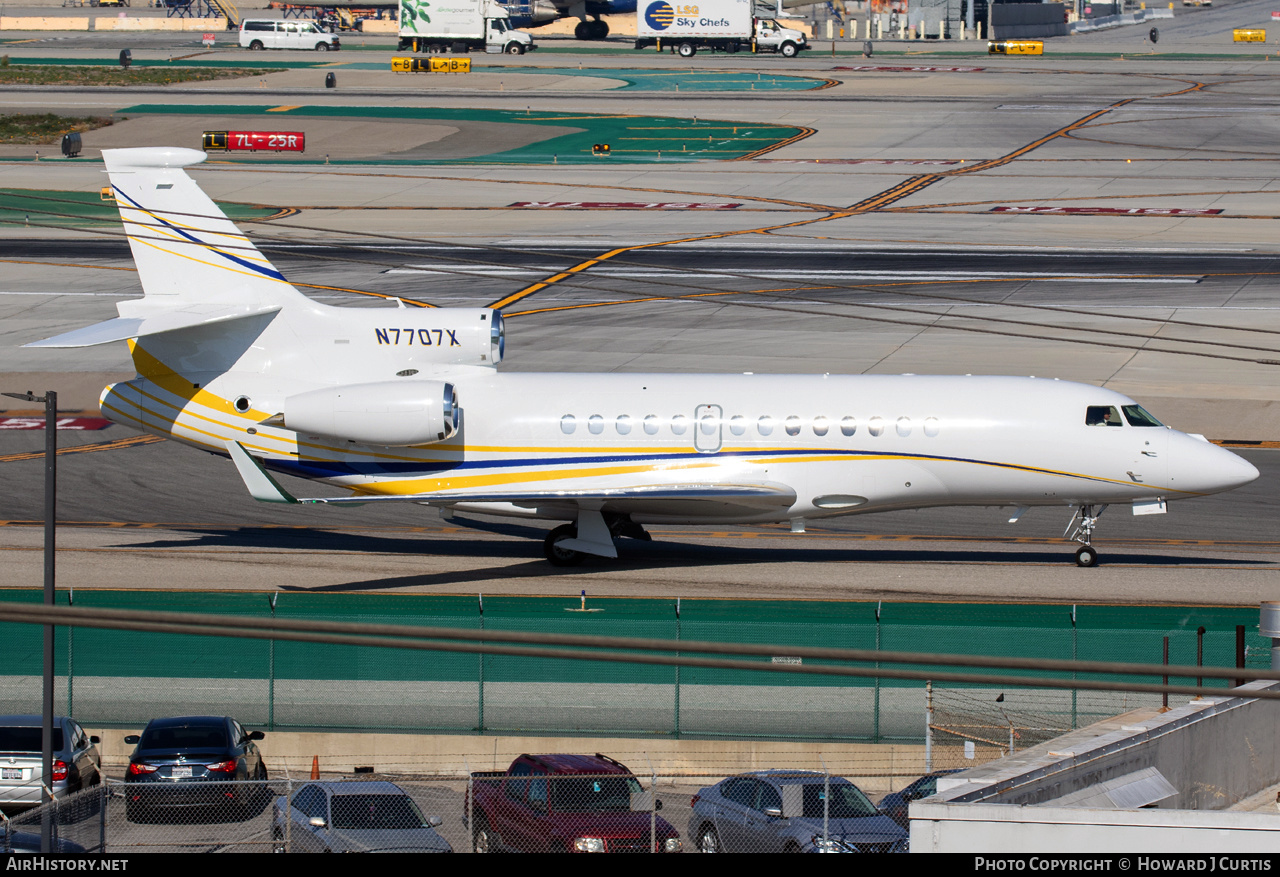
(459, 26)
(718, 25)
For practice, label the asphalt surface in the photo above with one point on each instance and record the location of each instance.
(872, 244)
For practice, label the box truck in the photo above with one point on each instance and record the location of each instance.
(718, 25)
(459, 26)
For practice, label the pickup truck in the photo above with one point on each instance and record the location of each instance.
(565, 803)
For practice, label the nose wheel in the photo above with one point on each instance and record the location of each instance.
(1081, 528)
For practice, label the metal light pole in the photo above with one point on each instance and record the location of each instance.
(50, 400)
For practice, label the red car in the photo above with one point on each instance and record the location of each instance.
(565, 804)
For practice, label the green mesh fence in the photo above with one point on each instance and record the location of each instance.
(120, 678)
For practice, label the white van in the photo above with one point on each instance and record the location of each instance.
(271, 33)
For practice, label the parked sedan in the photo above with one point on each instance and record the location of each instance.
(76, 761)
(193, 762)
(776, 811)
(354, 817)
(895, 805)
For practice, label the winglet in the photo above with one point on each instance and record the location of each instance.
(261, 485)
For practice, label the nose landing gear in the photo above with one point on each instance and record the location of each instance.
(1081, 528)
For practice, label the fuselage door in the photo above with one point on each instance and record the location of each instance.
(707, 426)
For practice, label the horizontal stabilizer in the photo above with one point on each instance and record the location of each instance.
(762, 496)
(123, 328)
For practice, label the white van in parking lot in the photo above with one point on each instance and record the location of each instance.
(271, 33)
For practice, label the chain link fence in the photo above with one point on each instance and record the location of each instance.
(111, 678)
(617, 812)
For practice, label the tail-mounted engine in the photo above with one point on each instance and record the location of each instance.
(392, 413)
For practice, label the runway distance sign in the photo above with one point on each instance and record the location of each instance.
(84, 423)
(254, 141)
(1114, 211)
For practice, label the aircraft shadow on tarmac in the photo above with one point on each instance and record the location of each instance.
(633, 554)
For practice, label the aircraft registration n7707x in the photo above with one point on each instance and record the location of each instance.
(409, 405)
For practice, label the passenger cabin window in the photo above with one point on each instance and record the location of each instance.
(652, 424)
(1138, 416)
(848, 426)
(738, 424)
(793, 425)
(623, 424)
(1102, 415)
(568, 424)
(765, 425)
(821, 425)
(875, 426)
(595, 424)
(679, 424)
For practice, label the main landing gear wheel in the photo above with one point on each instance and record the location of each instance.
(562, 556)
(1086, 555)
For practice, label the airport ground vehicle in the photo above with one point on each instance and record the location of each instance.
(565, 804)
(460, 26)
(355, 817)
(780, 811)
(76, 761)
(895, 805)
(187, 761)
(717, 25)
(270, 33)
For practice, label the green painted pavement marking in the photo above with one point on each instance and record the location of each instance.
(654, 80)
(638, 79)
(631, 138)
(84, 209)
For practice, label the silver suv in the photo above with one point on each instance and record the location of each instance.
(76, 761)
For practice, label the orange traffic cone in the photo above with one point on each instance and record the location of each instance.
(315, 767)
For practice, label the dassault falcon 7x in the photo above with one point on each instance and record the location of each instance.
(409, 405)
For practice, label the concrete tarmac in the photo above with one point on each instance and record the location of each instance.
(1103, 161)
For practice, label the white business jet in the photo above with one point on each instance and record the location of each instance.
(408, 405)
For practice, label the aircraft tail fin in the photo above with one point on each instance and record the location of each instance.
(186, 249)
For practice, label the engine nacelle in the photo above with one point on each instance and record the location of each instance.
(391, 413)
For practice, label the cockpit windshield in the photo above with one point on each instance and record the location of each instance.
(1137, 416)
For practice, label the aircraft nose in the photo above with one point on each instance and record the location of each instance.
(1211, 469)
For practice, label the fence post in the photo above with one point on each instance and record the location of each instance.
(1199, 655)
(102, 816)
(875, 712)
(826, 804)
(928, 726)
(677, 702)
(471, 803)
(1239, 652)
(480, 676)
(71, 658)
(288, 813)
(1074, 654)
(271, 670)
(1164, 696)
(653, 806)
